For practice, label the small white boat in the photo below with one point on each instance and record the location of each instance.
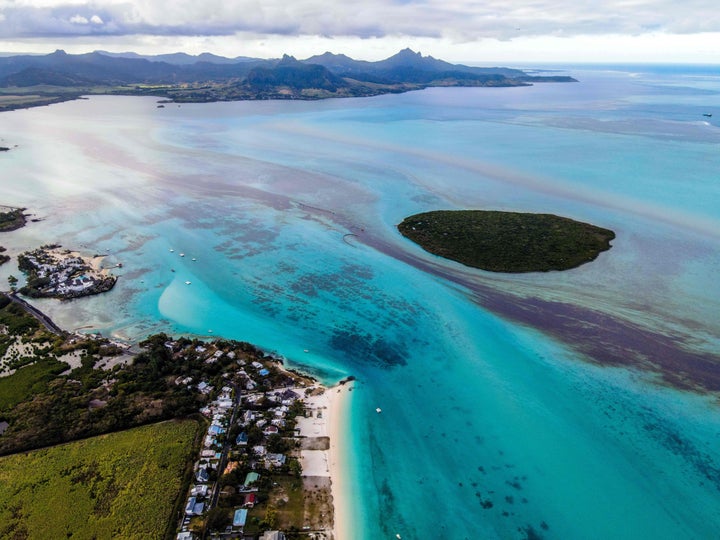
(172, 251)
(306, 350)
(194, 259)
(182, 254)
(398, 536)
(378, 410)
(188, 282)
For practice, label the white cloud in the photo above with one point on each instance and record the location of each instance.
(78, 19)
(444, 28)
(461, 20)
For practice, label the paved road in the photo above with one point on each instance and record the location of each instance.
(223, 458)
(39, 315)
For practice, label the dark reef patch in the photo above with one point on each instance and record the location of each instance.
(364, 348)
(614, 342)
(601, 338)
(671, 439)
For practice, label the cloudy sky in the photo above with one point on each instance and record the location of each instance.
(476, 31)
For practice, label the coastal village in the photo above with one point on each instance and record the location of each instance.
(261, 463)
(261, 469)
(248, 479)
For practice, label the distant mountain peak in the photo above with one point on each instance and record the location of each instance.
(407, 51)
(328, 54)
(288, 60)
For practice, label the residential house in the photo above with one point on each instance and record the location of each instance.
(249, 500)
(240, 517)
(202, 475)
(276, 460)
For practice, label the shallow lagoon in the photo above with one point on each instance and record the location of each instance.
(491, 428)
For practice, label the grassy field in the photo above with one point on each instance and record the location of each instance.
(28, 381)
(121, 485)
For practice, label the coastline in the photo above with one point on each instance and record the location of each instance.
(340, 404)
(327, 423)
(329, 407)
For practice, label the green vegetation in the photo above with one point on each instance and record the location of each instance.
(11, 219)
(21, 100)
(507, 241)
(15, 320)
(27, 381)
(89, 401)
(123, 485)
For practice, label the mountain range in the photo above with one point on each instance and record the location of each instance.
(207, 77)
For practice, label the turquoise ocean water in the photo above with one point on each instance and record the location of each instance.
(501, 417)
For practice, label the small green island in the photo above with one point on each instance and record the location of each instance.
(11, 218)
(507, 241)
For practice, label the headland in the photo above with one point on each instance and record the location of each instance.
(53, 272)
(259, 464)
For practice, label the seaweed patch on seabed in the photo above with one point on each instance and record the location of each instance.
(673, 441)
(601, 338)
(349, 282)
(530, 532)
(611, 341)
(362, 347)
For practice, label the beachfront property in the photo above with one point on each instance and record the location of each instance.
(248, 445)
(59, 273)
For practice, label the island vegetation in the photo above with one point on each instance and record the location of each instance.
(507, 241)
(11, 218)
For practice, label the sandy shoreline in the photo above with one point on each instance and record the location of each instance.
(94, 262)
(334, 407)
(340, 407)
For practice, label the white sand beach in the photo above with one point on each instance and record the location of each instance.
(328, 418)
(340, 407)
